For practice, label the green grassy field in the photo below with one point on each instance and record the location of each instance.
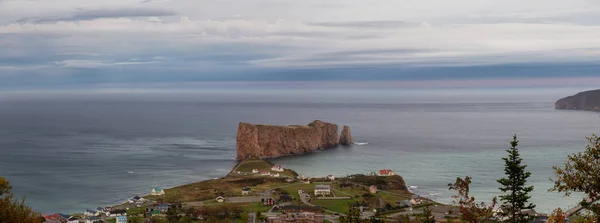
(340, 206)
(248, 166)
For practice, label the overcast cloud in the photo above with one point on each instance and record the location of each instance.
(71, 42)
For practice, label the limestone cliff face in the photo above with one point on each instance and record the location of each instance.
(346, 137)
(267, 141)
(588, 101)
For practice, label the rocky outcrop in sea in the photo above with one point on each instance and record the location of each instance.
(268, 141)
(346, 136)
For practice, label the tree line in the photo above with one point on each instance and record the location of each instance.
(580, 173)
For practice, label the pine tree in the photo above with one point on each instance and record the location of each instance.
(515, 192)
(427, 215)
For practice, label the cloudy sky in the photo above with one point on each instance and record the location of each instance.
(85, 43)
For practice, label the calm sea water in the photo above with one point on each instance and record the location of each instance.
(69, 153)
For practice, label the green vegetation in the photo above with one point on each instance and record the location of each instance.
(227, 186)
(12, 209)
(472, 212)
(581, 173)
(136, 211)
(340, 206)
(516, 193)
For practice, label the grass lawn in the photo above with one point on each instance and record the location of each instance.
(249, 165)
(340, 206)
(293, 190)
(230, 186)
(390, 198)
(253, 207)
(135, 211)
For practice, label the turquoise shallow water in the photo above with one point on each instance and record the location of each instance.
(69, 154)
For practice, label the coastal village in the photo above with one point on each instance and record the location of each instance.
(257, 190)
(263, 192)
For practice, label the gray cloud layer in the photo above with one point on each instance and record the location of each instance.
(83, 15)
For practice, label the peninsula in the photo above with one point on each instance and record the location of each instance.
(269, 141)
(587, 101)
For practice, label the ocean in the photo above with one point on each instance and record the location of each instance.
(69, 152)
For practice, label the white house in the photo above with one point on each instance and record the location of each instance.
(277, 168)
(330, 177)
(323, 190)
(89, 212)
(72, 220)
(157, 191)
(92, 219)
(254, 170)
(416, 200)
(220, 199)
(137, 200)
(265, 173)
(276, 175)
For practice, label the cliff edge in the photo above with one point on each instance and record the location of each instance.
(587, 101)
(268, 141)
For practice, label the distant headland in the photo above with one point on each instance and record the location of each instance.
(587, 101)
(269, 141)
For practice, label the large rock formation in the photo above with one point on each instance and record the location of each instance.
(267, 141)
(346, 136)
(588, 101)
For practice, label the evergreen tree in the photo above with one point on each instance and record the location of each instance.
(426, 216)
(515, 192)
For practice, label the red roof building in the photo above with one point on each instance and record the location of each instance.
(386, 172)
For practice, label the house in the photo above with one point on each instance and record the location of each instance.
(265, 173)
(416, 200)
(246, 191)
(268, 201)
(386, 173)
(285, 198)
(220, 199)
(276, 175)
(330, 177)
(106, 209)
(323, 190)
(137, 200)
(116, 213)
(157, 191)
(64, 216)
(277, 168)
(162, 207)
(93, 219)
(121, 219)
(373, 189)
(72, 220)
(289, 180)
(89, 212)
(54, 218)
(254, 170)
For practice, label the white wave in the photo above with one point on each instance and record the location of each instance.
(130, 172)
(361, 143)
